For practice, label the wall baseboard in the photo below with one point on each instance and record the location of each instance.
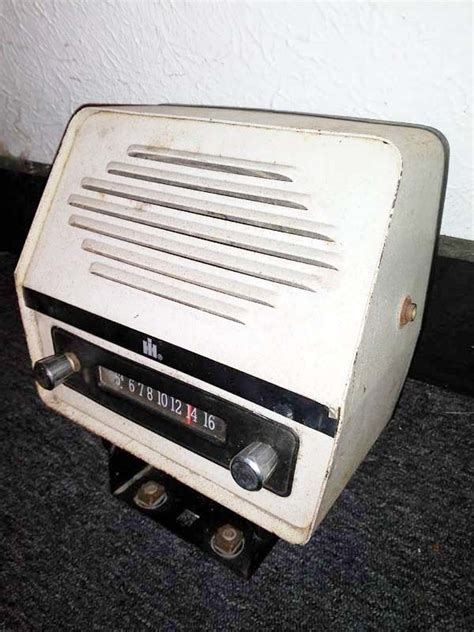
(445, 352)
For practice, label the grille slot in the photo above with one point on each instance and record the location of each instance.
(172, 201)
(268, 246)
(170, 292)
(232, 287)
(250, 192)
(210, 162)
(270, 221)
(257, 269)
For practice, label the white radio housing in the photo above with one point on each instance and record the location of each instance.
(283, 249)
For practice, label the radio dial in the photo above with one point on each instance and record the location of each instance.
(253, 466)
(53, 370)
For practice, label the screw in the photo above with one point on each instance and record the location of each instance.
(228, 541)
(408, 311)
(150, 495)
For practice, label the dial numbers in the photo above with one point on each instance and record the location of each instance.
(164, 403)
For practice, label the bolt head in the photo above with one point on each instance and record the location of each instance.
(228, 541)
(408, 311)
(150, 495)
(229, 534)
(151, 488)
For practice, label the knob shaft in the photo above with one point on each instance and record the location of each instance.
(53, 370)
(254, 465)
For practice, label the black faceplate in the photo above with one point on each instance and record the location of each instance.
(243, 426)
(275, 398)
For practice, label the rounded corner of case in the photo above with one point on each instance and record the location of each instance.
(82, 114)
(439, 138)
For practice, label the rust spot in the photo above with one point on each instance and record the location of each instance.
(407, 312)
(228, 541)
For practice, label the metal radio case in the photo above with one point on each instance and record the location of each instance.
(233, 296)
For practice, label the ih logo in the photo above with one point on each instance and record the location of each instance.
(151, 350)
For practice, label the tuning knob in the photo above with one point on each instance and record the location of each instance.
(253, 466)
(53, 370)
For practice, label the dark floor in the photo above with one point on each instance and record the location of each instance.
(393, 554)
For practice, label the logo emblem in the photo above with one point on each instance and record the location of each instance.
(151, 350)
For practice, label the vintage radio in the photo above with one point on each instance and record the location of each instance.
(232, 298)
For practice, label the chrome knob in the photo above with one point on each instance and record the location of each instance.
(253, 466)
(53, 370)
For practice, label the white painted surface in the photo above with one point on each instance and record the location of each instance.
(333, 180)
(355, 169)
(395, 61)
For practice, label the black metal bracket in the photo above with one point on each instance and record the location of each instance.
(190, 515)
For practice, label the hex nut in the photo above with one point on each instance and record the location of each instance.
(150, 495)
(228, 541)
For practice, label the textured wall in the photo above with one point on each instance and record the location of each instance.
(400, 61)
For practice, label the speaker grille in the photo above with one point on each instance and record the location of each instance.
(266, 231)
